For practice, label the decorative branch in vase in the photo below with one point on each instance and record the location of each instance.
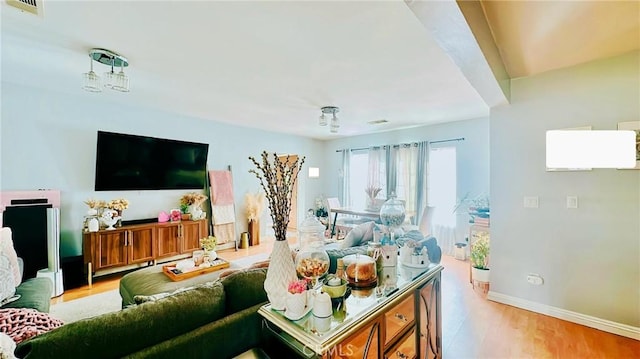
(278, 178)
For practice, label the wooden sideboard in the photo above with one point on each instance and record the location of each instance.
(405, 323)
(139, 244)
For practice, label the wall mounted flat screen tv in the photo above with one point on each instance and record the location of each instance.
(130, 162)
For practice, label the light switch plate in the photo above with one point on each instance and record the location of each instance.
(531, 202)
(572, 201)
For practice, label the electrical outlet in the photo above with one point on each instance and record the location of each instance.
(531, 202)
(535, 279)
(572, 201)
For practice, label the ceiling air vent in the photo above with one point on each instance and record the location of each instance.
(377, 122)
(31, 6)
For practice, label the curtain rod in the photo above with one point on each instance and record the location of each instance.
(403, 144)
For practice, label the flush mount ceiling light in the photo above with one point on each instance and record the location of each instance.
(115, 81)
(334, 120)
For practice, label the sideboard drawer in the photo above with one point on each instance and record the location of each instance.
(398, 318)
(406, 349)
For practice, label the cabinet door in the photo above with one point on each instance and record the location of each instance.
(430, 320)
(191, 232)
(398, 318)
(364, 344)
(168, 240)
(111, 249)
(141, 245)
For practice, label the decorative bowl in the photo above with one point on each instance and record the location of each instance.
(335, 291)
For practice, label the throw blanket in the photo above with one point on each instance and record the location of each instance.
(22, 323)
(223, 214)
(221, 187)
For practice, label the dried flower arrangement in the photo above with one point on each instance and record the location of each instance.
(95, 203)
(208, 243)
(254, 203)
(277, 180)
(192, 198)
(119, 204)
(372, 192)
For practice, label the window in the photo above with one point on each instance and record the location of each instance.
(358, 169)
(442, 185)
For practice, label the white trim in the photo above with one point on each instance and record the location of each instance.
(574, 317)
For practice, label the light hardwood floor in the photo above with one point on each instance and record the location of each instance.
(473, 327)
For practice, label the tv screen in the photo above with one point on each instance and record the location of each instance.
(130, 162)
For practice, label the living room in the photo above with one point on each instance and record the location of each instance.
(588, 256)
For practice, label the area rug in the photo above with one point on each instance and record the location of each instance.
(110, 301)
(87, 307)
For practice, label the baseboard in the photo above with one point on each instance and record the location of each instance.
(574, 317)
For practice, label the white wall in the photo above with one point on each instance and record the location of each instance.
(472, 156)
(589, 256)
(49, 141)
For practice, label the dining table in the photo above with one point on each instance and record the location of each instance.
(353, 211)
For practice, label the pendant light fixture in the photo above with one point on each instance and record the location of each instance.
(115, 81)
(92, 81)
(334, 126)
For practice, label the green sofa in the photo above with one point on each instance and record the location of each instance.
(216, 319)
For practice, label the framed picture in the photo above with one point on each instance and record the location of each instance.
(634, 126)
(582, 128)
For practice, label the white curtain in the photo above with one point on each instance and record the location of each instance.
(406, 184)
(346, 175)
(377, 169)
(422, 174)
(446, 237)
(442, 195)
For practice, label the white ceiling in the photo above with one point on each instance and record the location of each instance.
(262, 64)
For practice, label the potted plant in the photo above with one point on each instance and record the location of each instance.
(209, 245)
(480, 258)
(184, 209)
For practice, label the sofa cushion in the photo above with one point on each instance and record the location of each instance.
(34, 293)
(223, 338)
(7, 282)
(359, 235)
(130, 329)
(7, 249)
(245, 288)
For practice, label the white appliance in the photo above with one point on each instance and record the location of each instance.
(34, 217)
(53, 272)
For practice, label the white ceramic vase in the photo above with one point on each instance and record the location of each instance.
(196, 212)
(212, 255)
(280, 273)
(296, 304)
